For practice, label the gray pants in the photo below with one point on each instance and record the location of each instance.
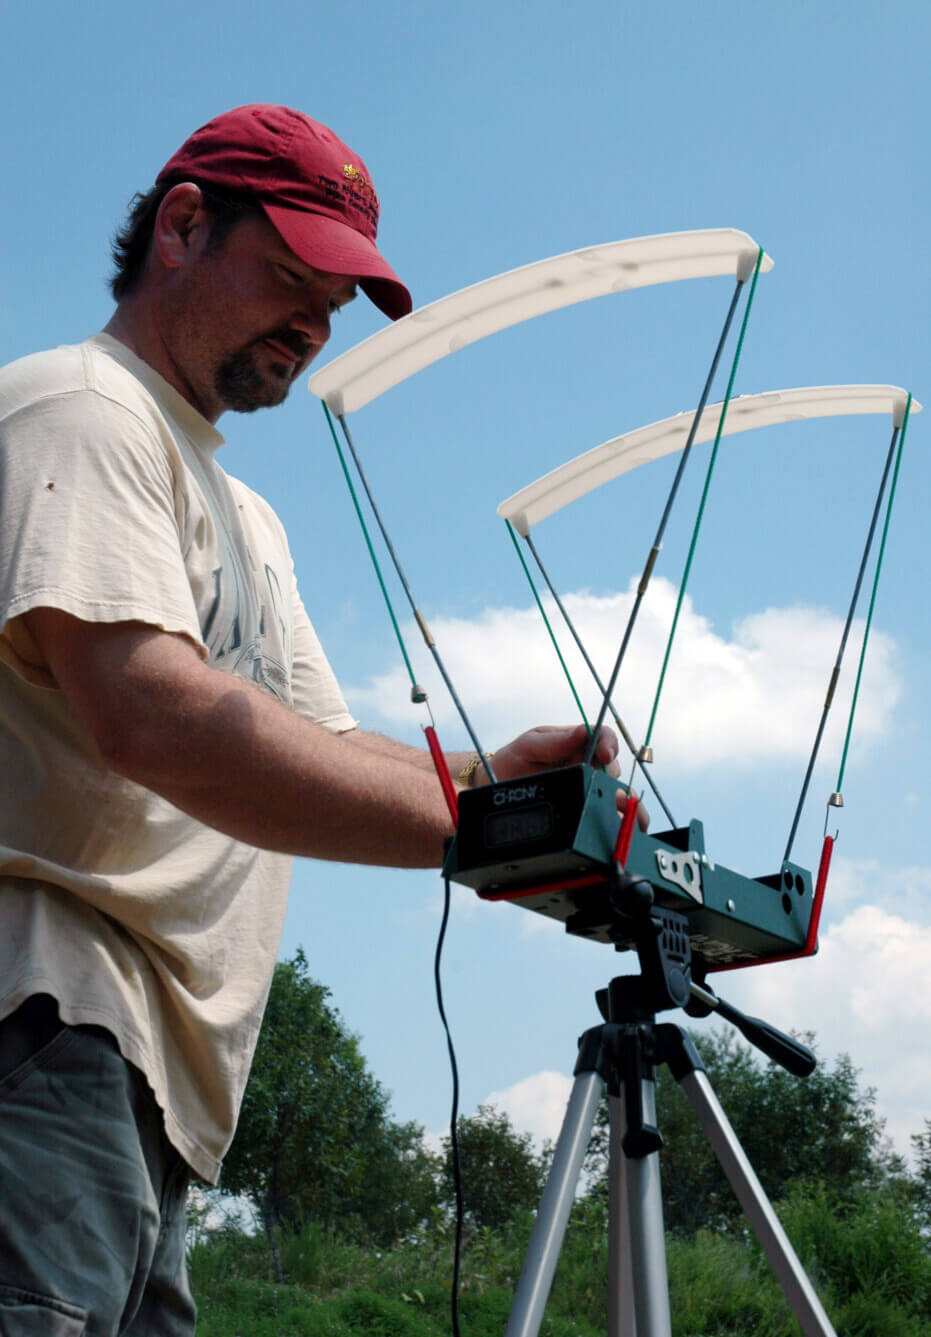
(92, 1194)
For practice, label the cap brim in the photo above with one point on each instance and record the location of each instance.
(337, 248)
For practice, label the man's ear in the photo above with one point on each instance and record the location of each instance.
(180, 222)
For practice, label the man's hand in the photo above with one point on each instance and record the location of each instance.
(550, 746)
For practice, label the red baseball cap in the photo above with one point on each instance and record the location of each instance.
(313, 188)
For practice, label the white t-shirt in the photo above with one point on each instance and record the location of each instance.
(130, 913)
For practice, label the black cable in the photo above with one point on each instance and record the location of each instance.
(454, 1116)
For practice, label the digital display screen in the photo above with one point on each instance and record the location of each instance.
(511, 828)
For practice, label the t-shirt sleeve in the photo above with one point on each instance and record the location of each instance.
(88, 522)
(315, 693)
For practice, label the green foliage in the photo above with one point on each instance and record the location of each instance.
(579, 1287)
(314, 1141)
(501, 1173)
(823, 1126)
(921, 1184)
(867, 1246)
(357, 1211)
(865, 1254)
(717, 1287)
(352, 1288)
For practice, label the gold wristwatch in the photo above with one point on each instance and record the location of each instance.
(466, 776)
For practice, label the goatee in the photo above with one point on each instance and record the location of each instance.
(240, 384)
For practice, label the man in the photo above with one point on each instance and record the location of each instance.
(170, 731)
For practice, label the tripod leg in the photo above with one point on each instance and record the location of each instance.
(789, 1272)
(638, 1289)
(555, 1205)
(622, 1321)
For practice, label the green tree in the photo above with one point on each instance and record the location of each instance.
(501, 1174)
(822, 1127)
(399, 1190)
(314, 1141)
(921, 1181)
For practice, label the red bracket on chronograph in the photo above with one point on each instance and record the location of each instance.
(626, 833)
(443, 774)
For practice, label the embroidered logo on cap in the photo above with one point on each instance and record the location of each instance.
(360, 184)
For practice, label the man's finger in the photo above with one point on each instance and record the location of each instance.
(643, 816)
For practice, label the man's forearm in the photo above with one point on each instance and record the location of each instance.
(275, 780)
(356, 797)
(412, 756)
(238, 760)
(234, 757)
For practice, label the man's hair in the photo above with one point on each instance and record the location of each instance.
(130, 248)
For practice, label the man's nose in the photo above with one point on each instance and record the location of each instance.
(312, 314)
(311, 320)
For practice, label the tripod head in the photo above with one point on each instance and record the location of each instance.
(661, 939)
(630, 1044)
(664, 950)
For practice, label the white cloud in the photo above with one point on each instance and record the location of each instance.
(751, 696)
(536, 1105)
(905, 892)
(864, 994)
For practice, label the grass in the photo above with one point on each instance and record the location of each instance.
(868, 1260)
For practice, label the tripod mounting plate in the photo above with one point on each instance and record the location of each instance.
(546, 842)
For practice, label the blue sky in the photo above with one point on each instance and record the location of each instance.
(498, 134)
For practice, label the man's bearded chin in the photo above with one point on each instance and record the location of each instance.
(243, 388)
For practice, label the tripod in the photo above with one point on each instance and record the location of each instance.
(621, 1055)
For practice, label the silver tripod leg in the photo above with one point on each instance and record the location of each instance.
(638, 1296)
(555, 1205)
(782, 1258)
(638, 1289)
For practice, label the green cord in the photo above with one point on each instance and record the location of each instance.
(355, 502)
(704, 497)
(546, 623)
(869, 616)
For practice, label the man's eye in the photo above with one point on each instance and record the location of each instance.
(290, 274)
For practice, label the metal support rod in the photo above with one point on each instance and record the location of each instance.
(621, 1055)
(872, 604)
(775, 1243)
(418, 616)
(622, 1318)
(835, 672)
(542, 1255)
(701, 506)
(622, 728)
(638, 1285)
(658, 541)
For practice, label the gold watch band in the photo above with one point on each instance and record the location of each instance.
(466, 776)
